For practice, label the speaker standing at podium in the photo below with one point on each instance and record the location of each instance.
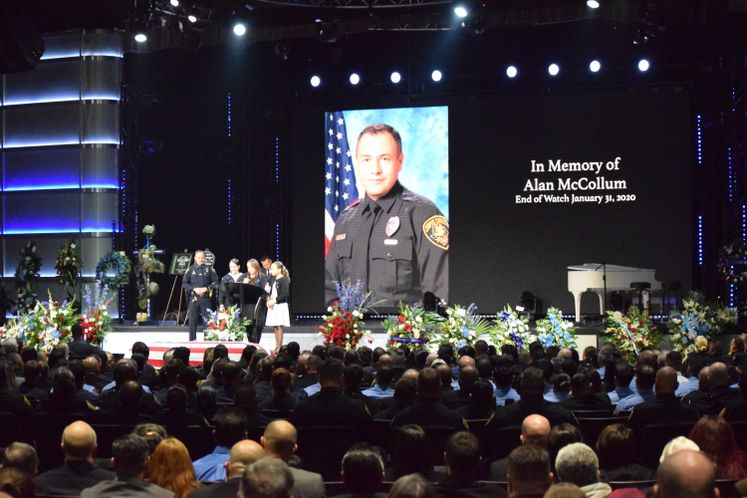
(200, 282)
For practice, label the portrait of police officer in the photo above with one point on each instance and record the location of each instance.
(392, 239)
(200, 282)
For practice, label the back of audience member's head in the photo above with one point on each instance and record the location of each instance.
(408, 452)
(677, 444)
(645, 377)
(243, 454)
(230, 426)
(580, 385)
(220, 352)
(715, 437)
(182, 353)
(535, 430)
(616, 447)
(623, 374)
(686, 474)
(577, 463)
(718, 375)
(281, 382)
(331, 373)
(528, 470)
(280, 439)
(462, 455)
(141, 348)
(674, 359)
(21, 456)
(129, 456)
(79, 441)
(412, 486)
(130, 394)
(532, 382)
(189, 377)
(384, 376)
(405, 392)
(16, 483)
(561, 383)
(429, 382)
(176, 398)
(245, 396)
(481, 395)
(561, 436)
(124, 370)
(139, 360)
(352, 377)
(564, 490)
(267, 478)
(293, 349)
(362, 469)
(153, 434)
(63, 384)
(171, 467)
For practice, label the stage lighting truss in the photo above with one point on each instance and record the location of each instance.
(355, 4)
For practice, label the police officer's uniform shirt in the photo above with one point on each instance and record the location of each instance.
(200, 276)
(407, 249)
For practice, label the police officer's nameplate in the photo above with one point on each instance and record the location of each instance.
(392, 225)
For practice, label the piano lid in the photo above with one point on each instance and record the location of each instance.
(610, 268)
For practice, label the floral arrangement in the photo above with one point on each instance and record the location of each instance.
(733, 256)
(68, 266)
(554, 330)
(697, 318)
(343, 324)
(29, 266)
(46, 326)
(116, 262)
(226, 324)
(412, 325)
(633, 331)
(461, 327)
(511, 328)
(95, 319)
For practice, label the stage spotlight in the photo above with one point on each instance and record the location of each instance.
(141, 37)
(354, 79)
(239, 28)
(595, 66)
(592, 4)
(461, 11)
(512, 72)
(395, 77)
(644, 65)
(315, 81)
(192, 18)
(174, 3)
(553, 69)
(436, 75)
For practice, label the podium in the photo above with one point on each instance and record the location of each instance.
(251, 301)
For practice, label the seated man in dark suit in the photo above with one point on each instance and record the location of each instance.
(582, 398)
(243, 454)
(718, 393)
(78, 472)
(330, 406)
(128, 405)
(147, 374)
(405, 394)
(665, 408)
(362, 472)
(531, 390)
(534, 430)
(268, 477)
(428, 409)
(129, 458)
(462, 459)
(459, 398)
(280, 441)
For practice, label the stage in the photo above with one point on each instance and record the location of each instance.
(305, 332)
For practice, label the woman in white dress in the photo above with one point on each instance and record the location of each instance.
(278, 314)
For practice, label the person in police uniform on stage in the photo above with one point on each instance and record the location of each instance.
(393, 240)
(200, 282)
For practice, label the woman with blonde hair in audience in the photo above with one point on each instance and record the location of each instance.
(170, 467)
(715, 437)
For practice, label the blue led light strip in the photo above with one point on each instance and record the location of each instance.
(744, 222)
(699, 138)
(229, 201)
(277, 241)
(700, 239)
(277, 159)
(229, 130)
(731, 175)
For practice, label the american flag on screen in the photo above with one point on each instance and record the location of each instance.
(339, 176)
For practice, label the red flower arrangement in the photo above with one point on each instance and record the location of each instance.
(344, 328)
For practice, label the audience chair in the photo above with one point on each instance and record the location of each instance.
(105, 436)
(504, 440)
(48, 429)
(591, 427)
(197, 439)
(10, 429)
(655, 436)
(322, 447)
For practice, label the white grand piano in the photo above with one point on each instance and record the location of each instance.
(588, 278)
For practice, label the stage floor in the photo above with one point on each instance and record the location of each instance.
(305, 333)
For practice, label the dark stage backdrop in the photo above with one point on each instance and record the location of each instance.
(515, 226)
